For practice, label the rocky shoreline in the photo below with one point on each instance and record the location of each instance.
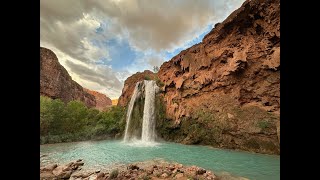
(142, 170)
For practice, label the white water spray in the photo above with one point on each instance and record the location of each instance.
(130, 108)
(148, 123)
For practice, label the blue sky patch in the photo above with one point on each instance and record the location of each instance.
(120, 53)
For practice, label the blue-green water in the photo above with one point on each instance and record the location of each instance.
(96, 153)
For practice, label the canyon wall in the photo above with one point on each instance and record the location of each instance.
(102, 101)
(55, 82)
(225, 91)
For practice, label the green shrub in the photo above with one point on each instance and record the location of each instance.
(60, 122)
(159, 82)
(147, 77)
(264, 124)
(114, 174)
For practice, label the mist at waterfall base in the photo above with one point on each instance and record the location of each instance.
(139, 144)
(147, 90)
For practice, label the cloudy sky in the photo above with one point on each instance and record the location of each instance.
(102, 42)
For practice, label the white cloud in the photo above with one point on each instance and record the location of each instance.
(151, 27)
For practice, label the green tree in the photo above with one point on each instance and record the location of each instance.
(57, 116)
(155, 69)
(76, 118)
(60, 122)
(44, 115)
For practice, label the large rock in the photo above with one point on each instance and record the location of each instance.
(60, 172)
(130, 83)
(225, 91)
(102, 101)
(55, 82)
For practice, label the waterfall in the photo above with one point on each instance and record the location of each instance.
(130, 108)
(148, 123)
(148, 90)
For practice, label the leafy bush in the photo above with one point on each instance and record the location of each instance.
(146, 77)
(263, 124)
(114, 174)
(60, 122)
(159, 82)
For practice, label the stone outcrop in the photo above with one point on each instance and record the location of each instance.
(140, 170)
(53, 171)
(55, 82)
(225, 91)
(130, 83)
(102, 101)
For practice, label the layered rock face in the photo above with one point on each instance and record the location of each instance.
(130, 83)
(102, 101)
(55, 82)
(225, 91)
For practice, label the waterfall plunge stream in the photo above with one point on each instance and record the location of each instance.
(149, 90)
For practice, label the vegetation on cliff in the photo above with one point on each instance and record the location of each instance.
(233, 127)
(61, 122)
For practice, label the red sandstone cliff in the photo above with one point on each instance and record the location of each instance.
(230, 82)
(130, 83)
(225, 91)
(240, 58)
(102, 101)
(55, 82)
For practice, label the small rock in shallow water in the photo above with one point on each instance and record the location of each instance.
(79, 163)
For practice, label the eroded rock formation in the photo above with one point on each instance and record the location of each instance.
(55, 82)
(102, 101)
(225, 91)
(130, 83)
